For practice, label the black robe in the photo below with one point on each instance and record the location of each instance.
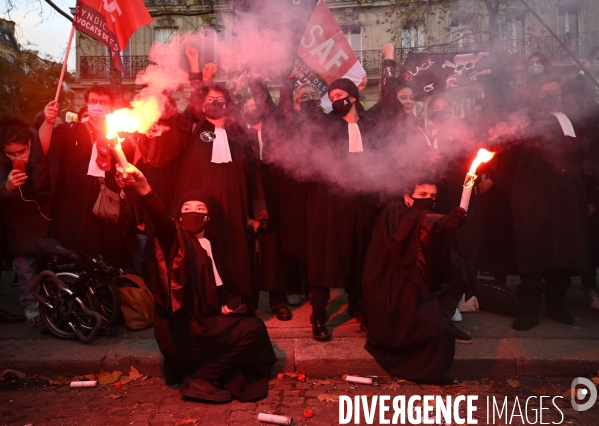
(406, 266)
(75, 193)
(549, 201)
(190, 330)
(339, 220)
(236, 191)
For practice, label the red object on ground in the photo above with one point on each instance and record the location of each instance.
(308, 413)
(117, 385)
(280, 376)
(301, 377)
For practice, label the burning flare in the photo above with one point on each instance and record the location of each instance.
(483, 156)
(143, 114)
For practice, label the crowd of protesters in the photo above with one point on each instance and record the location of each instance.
(238, 194)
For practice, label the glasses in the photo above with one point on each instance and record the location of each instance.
(211, 99)
(545, 94)
(308, 96)
(98, 102)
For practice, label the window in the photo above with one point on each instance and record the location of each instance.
(163, 35)
(354, 37)
(208, 48)
(514, 29)
(461, 30)
(409, 37)
(567, 20)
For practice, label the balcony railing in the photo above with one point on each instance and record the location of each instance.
(98, 67)
(580, 44)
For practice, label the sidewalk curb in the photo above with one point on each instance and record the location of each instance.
(483, 358)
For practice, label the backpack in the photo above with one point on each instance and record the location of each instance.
(137, 302)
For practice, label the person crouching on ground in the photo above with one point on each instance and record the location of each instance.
(209, 340)
(407, 262)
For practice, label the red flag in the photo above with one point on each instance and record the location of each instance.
(111, 22)
(324, 54)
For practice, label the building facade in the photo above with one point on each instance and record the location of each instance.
(450, 26)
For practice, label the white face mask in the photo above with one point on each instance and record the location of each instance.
(536, 69)
(23, 157)
(97, 111)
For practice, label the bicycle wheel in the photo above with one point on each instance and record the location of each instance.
(66, 313)
(109, 303)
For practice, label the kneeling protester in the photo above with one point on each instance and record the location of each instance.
(407, 266)
(209, 340)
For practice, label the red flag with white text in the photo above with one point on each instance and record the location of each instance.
(324, 54)
(111, 22)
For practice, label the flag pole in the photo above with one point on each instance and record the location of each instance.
(64, 64)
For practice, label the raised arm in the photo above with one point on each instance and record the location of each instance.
(165, 228)
(45, 131)
(286, 101)
(266, 106)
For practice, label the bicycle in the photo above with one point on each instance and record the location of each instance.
(78, 296)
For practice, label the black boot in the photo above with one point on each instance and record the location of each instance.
(318, 319)
(557, 313)
(525, 321)
(206, 391)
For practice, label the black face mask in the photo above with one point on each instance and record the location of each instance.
(342, 106)
(423, 204)
(252, 116)
(194, 222)
(440, 117)
(310, 107)
(216, 110)
(551, 103)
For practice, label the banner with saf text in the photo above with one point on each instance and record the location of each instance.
(324, 54)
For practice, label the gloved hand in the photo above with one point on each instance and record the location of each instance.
(455, 219)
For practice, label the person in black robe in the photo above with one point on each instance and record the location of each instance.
(219, 160)
(261, 114)
(407, 266)
(80, 162)
(549, 205)
(339, 218)
(205, 334)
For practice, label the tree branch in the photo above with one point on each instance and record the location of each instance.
(59, 10)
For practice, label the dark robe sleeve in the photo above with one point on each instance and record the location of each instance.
(166, 230)
(286, 104)
(266, 106)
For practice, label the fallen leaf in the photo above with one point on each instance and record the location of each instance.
(91, 377)
(186, 422)
(134, 374)
(8, 374)
(328, 397)
(392, 386)
(595, 380)
(513, 383)
(433, 388)
(291, 374)
(569, 393)
(113, 396)
(321, 382)
(144, 377)
(109, 378)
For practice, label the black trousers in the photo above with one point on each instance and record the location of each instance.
(530, 291)
(319, 296)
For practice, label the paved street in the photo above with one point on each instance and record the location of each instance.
(37, 402)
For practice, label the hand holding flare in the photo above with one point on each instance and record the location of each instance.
(483, 156)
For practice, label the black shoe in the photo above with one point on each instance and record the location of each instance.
(319, 328)
(201, 389)
(6, 318)
(561, 316)
(460, 336)
(283, 314)
(525, 321)
(355, 312)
